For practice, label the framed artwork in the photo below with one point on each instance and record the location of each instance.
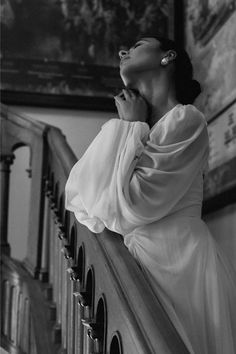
(209, 17)
(220, 181)
(64, 53)
(210, 40)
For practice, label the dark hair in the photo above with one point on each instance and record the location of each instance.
(187, 89)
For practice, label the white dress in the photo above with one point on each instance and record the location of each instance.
(146, 184)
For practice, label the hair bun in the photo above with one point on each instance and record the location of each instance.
(196, 87)
(188, 91)
(186, 88)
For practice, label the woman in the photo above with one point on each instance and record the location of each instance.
(147, 185)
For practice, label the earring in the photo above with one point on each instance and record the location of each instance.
(164, 61)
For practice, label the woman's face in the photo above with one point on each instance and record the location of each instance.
(144, 56)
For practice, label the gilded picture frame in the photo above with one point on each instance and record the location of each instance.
(65, 53)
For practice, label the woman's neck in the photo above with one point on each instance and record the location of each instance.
(159, 95)
(159, 109)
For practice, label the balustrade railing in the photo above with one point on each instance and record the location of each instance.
(25, 312)
(98, 298)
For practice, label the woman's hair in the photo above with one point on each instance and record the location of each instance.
(187, 89)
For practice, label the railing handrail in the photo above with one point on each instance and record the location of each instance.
(22, 121)
(63, 152)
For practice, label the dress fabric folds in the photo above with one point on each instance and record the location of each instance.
(147, 185)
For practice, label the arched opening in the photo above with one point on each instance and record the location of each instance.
(89, 292)
(55, 203)
(19, 203)
(67, 224)
(61, 207)
(81, 263)
(73, 242)
(87, 305)
(116, 347)
(101, 319)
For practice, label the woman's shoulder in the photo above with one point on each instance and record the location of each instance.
(184, 115)
(189, 111)
(178, 124)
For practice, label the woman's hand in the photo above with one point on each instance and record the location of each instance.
(131, 106)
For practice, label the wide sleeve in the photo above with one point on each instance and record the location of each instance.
(96, 181)
(128, 178)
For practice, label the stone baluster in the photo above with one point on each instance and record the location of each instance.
(19, 318)
(55, 253)
(6, 307)
(95, 334)
(78, 333)
(85, 316)
(13, 314)
(43, 276)
(26, 326)
(90, 336)
(64, 302)
(61, 266)
(60, 236)
(57, 268)
(67, 252)
(51, 229)
(59, 282)
(5, 162)
(86, 321)
(75, 288)
(71, 318)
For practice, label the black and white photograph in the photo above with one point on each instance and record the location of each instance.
(118, 177)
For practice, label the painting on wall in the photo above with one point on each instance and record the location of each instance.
(208, 17)
(210, 40)
(65, 52)
(221, 177)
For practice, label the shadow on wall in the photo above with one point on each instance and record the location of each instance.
(18, 219)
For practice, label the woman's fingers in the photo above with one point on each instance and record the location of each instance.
(126, 94)
(117, 103)
(132, 93)
(129, 94)
(118, 99)
(121, 94)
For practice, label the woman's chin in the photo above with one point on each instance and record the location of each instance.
(124, 80)
(127, 80)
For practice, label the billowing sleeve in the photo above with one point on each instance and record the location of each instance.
(130, 176)
(95, 185)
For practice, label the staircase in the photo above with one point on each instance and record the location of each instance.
(75, 292)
